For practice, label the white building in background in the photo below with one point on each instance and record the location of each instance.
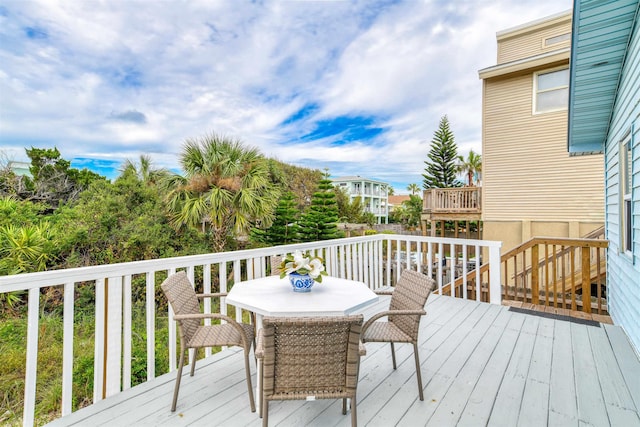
(374, 194)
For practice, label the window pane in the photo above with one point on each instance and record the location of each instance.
(553, 100)
(627, 226)
(554, 79)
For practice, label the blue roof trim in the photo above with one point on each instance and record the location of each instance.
(599, 42)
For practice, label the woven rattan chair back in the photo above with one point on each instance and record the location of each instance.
(411, 293)
(276, 260)
(183, 300)
(315, 357)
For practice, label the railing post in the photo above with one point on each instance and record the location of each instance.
(535, 275)
(495, 288)
(586, 279)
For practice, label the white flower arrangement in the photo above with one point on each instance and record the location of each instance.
(303, 263)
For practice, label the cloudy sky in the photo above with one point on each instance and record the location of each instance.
(354, 86)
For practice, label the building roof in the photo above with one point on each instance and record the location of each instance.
(20, 168)
(600, 39)
(356, 179)
(398, 199)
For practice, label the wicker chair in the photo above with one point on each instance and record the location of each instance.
(276, 260)
(193, 334)
(405, 311)
(310, 358)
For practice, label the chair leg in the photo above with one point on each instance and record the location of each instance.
(265, 413)
(193, 361)
(178, 378)
(418, 373)
(250, 387)
(354, 412)
(393, 356)
(260, 385)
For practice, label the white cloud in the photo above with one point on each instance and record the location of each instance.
(242, 69)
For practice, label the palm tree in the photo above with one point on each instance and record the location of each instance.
(413, 188)
(143, 170)
(470, 166)
(226, 185)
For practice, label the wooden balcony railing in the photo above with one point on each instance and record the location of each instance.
(125, 295)
(452, 200)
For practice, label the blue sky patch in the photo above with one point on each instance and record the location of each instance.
(129, 77)
(36, 33)
(346, 129)
(108, 168)
(302, 113)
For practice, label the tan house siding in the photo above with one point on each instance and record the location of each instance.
(523, 42)
(531, 186)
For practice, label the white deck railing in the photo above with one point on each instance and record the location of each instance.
(376, 260)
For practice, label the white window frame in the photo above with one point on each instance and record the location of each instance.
(626, 190)
(535, 90)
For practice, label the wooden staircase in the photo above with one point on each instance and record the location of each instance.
(546, 272)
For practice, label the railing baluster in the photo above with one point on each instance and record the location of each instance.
(574, 305)
(206, 288)
(598, 279)
(31, 368)
(563, 273)
(535, 275)
(150, 296)
(99, 343)
(478, 275)
(554, 273)
(67, 349)
(126, 338)
(547, 297)
(586, 279)
(464, 269)
(172, 333)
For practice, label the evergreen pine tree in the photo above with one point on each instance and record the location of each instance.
(319, 223)
(284, 229)
(441, 167)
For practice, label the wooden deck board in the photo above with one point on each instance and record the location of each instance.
(591, 407)
(481, 365)
(562, 391)
(509, 398)
(535, 401)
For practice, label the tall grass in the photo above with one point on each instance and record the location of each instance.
(13, 336)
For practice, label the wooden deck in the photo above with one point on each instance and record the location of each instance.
(482, 365)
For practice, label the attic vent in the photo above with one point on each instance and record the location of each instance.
(557, 39)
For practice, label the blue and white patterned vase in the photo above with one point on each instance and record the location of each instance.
(301, 282)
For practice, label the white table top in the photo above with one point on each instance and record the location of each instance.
(272, 296)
